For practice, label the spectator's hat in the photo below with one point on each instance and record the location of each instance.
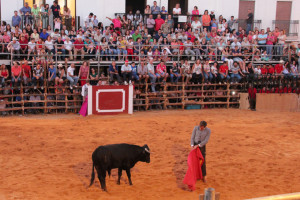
(126, 61)
(281, 61)
(60, 65)
(14, 39)
(149, 36)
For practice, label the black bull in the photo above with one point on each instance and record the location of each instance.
(121, 156)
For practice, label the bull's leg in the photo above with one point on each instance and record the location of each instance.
(129, 176)
(101, 176)
(119, 175)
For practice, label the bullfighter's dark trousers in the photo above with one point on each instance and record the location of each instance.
(203, 167)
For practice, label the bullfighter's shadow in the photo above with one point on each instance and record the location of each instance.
(180, 167)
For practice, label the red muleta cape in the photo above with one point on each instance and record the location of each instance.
(194, 173)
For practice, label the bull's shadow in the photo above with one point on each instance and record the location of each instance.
(84, 169)
(180, 167)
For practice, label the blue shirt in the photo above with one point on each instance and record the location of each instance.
(44, 35)
(134, 69)
(16, 20)
(52, 71)
(260, 36)
(155, 10)
(111, 69)
(24, 10)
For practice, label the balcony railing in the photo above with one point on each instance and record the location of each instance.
(291, 27)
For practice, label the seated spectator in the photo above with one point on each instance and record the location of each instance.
(61, 75)
(14, 47)
(3, 75)
(24, 45)
(79, 47)
(143, 71)
(44, 35)
(207, 72)
(214, 72)
(135, 75)
(26, 72)
(51, 73)
(186, 71)
(223, 72)
(236, 73)
(71, 76)
(278, 68)
(31, 48)
(188, 45)
(114, 72)
(38, 73)
(161, 72)
(175, 73)
(236, 54)
(60, 48)
(126, 71)
(49, 47)
(16, 72)
(197, 72)
(271, 69)
(68, 46)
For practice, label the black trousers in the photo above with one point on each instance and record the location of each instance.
(203, 167)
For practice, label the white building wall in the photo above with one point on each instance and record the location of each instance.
(266, 11)
(8, 7)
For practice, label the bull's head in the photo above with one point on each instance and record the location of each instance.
(146, 153)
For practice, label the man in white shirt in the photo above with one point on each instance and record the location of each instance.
(126, 71)
(88, 22)
(68, 47)
(31, 47)
(97, 37)
(235, 43)
(71, 77)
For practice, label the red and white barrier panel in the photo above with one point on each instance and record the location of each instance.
(109, 99)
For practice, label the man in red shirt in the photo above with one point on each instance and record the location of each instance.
(271, 69)
(158, 22)
(252, 97)
(161, 72)
(223, 72)
(278, 68)
(23, 44)
(26, 70)
(79, 47)
(279, 90)
(264, 70)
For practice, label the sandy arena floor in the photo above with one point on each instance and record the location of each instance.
(250, 154)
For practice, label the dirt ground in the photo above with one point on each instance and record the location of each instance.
(250, 154)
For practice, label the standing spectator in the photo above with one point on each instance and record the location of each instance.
(36, 15)
(163, 12)
(155, 10)
(138, 18)
(89, 21)
(176, 12)
(14, 47)
(195, 13)
(126, 71)
(158, 22)
(16, 19)
(281, 43)
(252, 97)
(249, 21)
(84, 72)
(114, 72)
(150, 24)
(151, 73)
(71, 76)
(117, 22)
(161, 72)
(26, 71)
(26, 12)
(206, 20)
(55, 10)
(68, 17)
(3, 75)
(37, 76)
(231, 22)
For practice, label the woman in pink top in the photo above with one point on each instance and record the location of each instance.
(206, 20)
(270, 42)
(84, 73)
(195, 12)
(117, 22)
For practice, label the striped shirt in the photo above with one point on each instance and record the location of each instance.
(200, 137)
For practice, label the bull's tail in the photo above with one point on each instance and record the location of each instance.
(92, 176)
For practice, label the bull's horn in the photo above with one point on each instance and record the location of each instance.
(147, 150)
